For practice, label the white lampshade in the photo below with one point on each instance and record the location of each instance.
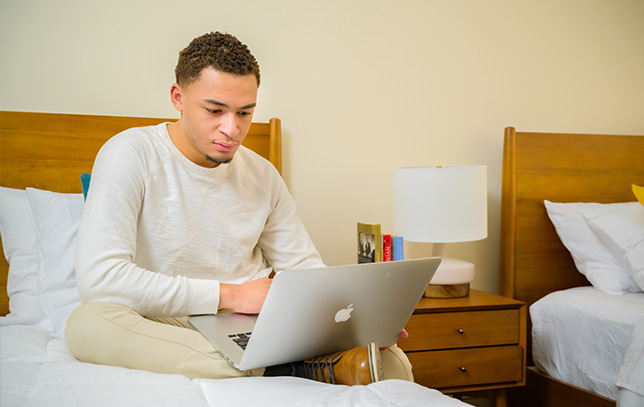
(441, 204)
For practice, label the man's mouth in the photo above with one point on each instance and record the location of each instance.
(225, 146)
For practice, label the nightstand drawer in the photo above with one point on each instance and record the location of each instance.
(451, 330)
(467, 367)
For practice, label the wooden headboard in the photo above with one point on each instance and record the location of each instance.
(559, 168)
(50, 151)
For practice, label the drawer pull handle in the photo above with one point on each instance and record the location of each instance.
(460, 331)
(463, 369)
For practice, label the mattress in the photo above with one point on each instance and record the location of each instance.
(37, 369)
(581, 336)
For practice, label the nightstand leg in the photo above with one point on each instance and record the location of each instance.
(500, 398)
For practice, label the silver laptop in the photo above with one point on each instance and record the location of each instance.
(316, 312)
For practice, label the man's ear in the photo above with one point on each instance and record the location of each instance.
(176, 97)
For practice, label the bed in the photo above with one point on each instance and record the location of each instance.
(47, 153)
(569, 205)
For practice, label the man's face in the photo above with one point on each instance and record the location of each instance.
(216, 113)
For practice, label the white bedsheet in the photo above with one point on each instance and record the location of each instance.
(37, 369)
(581, 336)
(631, 375)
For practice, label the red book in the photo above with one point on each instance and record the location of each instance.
(386, 247)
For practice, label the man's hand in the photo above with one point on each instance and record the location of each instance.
(404, 334)
(246, 298)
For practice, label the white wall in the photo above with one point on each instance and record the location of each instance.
(361, 86)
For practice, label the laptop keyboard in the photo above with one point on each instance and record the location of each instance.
(241, 339)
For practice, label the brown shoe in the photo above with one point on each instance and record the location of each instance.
(356, 366)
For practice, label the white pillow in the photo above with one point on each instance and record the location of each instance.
(620, 227)
(57, 218)
(18, 229)
(592, 258)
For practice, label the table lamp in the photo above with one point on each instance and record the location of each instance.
(440, 205)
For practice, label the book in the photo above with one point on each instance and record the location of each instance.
(369, 242)
(397, 246)
(386, 247)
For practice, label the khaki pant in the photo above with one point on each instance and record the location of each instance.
(112, 334)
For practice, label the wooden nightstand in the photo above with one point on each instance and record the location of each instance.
(460, 345)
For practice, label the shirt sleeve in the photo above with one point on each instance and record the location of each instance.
(106, 244)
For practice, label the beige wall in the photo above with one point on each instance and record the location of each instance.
(361, 86)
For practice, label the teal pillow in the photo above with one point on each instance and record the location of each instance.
(85, 178)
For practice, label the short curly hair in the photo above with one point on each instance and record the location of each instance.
(222, 52)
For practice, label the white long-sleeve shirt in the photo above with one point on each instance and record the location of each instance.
(158, 232)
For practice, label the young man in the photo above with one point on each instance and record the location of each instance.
(182, 220)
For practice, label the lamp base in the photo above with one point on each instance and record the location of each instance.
(452, 279)
(447, 290)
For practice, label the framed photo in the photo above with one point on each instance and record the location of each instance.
(369, 242)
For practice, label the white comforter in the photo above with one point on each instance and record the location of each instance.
(591, 339)
(631, 375)
(37, 369)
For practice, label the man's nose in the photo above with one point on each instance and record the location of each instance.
(229, 125)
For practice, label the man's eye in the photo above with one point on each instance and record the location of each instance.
(214, 111)
(244, 113)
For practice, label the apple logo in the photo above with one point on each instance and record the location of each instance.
(344, 314)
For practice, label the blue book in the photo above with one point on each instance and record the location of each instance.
(397, 248)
